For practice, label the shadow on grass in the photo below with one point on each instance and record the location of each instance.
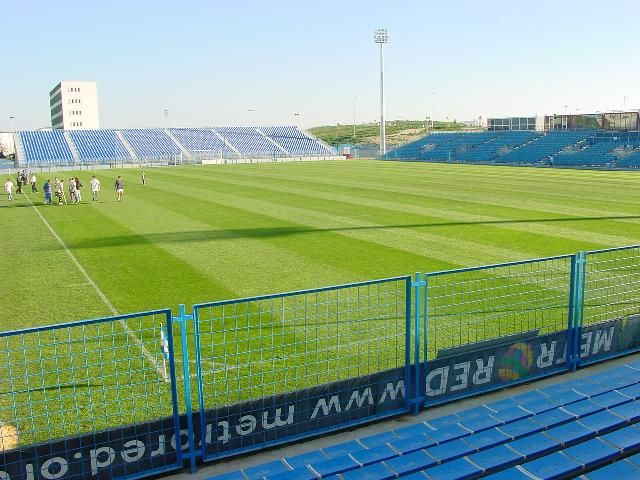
(274, 232)
(75, 386)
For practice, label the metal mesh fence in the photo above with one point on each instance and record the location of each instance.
(470, 306)
(612, 284)
(485, 326)
(263, 347)
(611, 303)
(80, 378)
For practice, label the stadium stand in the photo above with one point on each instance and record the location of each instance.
(200, 140)
(150, 143)
(250, 141)
(587, 148)
(46, 147)
(585, 426)
(543, 147)
(451, 150)
(295, 141)
(500, 145)
(99, 146)
(417, 149)
(103, 146)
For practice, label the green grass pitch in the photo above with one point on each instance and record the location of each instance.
(196, 234)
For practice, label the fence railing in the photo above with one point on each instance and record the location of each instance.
(139, 394)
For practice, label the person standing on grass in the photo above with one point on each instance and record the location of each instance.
(143, 176)
(78, 187)
(119, 188)
(72, 190)
(34, 188)
(59, 191)
(95, 188)
(19, 182)
(47, 192)
(8, 187)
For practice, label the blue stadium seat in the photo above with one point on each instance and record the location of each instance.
(626, 439)
(571, 433)
(411, 444)
(266, 469)
(535, 445)
(449, 432)
(301, 473)
(460, 469)
(623, 470)
(499, 457)
(377, 471)
(553, 466)
(379, 439)
(373, 455)
(306, 459)
(451, 450)
(334, 466)
(592, 453)
(411, 462)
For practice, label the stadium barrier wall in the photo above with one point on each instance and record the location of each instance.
(121, 397)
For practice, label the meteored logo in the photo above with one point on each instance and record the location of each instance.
(516, 362)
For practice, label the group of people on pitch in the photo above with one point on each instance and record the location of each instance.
(74, 187)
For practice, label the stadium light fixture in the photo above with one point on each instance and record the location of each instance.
(381, 36)
(166, 118)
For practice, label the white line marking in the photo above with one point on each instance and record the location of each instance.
(130, 333)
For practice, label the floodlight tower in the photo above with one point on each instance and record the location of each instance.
(381, 36)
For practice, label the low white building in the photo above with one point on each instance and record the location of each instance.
(74, 105)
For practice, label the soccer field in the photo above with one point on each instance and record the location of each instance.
(198, 234)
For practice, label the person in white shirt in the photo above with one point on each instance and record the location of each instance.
(34, 187)
(95, 188)
(8, 187)
(72, 190)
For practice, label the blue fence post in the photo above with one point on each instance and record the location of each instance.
(182, 319)
(570, 346)
(579, 307)
(407, 344)
(576, 310)
(417, 371)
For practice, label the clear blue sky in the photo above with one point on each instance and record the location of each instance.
(210, 62)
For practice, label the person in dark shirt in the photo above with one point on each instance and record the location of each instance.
(119, 188)
(46, 188)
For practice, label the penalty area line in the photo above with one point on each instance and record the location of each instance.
(130, 333)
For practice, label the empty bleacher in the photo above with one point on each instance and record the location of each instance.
(587, 426)
(417, 149)
(463, 143)
(99, 146)
(201, 140)
(563, 148)
(150, 143)
(46, 147)
(499, 145)
(544, 147)
(295, 141)
(250, 141)
(57, 147)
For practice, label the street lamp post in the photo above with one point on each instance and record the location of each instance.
(355, 99)
(431, 94)
(381, 36)
(13, 140)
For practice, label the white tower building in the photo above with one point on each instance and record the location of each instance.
(74, 105)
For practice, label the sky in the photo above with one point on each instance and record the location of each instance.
(212, 63)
